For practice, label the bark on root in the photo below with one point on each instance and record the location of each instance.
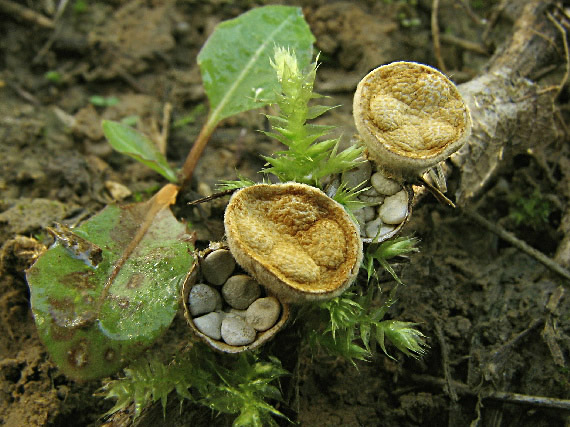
(511, 112)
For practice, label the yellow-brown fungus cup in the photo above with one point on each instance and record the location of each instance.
(294, 240)
(410, 116)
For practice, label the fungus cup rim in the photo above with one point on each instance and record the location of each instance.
(386, 157)
(271, 276)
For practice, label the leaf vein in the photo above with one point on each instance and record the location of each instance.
(223, 102)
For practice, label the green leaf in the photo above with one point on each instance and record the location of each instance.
(405, 338)
(101, 101)
(348, 197)
(96, 313)
(128, 141)
(318, 110)
(235, 61)
(242, 182)
(401, 246)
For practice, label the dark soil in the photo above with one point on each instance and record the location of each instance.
(497, 319)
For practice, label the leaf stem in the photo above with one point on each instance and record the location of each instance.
(194, 155)
(164, 198)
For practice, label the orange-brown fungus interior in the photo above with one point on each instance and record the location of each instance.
(303, 237)
(414, 111)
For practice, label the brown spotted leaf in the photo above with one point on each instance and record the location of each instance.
(95, 314)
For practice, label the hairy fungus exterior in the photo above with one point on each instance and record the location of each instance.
(410, 116)
(294, 240)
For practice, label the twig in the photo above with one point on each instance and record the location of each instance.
(524, 399)
(45, 48)
(549, 333)
(48, 44)
(166, 111)
(497, 10)
(445, 362)
(60, 9)
(536, 76)
(211, 197)
(504, 396)
(496, 360)
(436, 192)
(472, 15)
(554, 300)
(517, 243)
(435, 36)
(25, 14)
(566, 53)
(127, 77)
(465, 44)
(161, 200)
(160, 136)
(23, 93)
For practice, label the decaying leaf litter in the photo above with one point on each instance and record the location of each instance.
(475, 295)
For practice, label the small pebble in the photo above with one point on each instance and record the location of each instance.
(205, 210)
(395, 208)
(385, 229)
(371, 196)
(359, 215)
(240, 291)
(354, 178)
(370, 191)
(204, 189)
(503, 186)
(368, 213)
(372, 200)
(372, 228)
(203, 299)
(117, 190)
(235, 312)
(384, 185)
(263, 313)
(331, 185)
(218, 266)
(219, 301)
(236, 332)
(210, 324)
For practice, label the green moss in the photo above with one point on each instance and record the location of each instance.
(308, 158)
(529, 210)
(239, 385)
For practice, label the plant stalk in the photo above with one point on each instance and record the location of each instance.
(194, 155)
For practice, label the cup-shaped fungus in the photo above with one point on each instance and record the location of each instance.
(410, 116)
(227, 309)
(388, 202)
(293, 239)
